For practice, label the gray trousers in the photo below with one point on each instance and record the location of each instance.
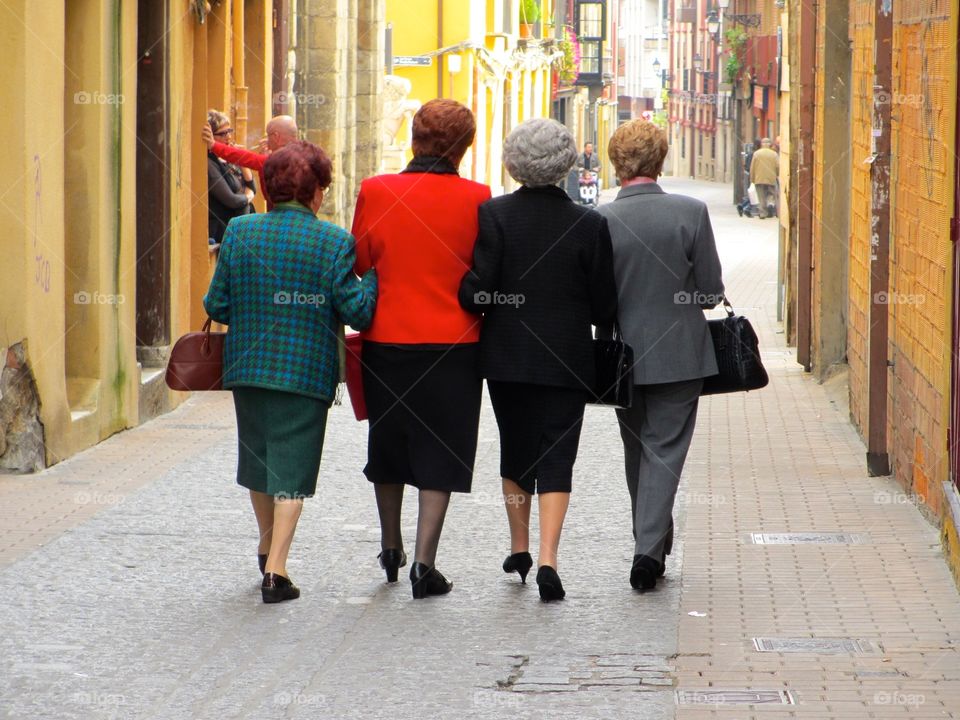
(656, 433)
(767, 199)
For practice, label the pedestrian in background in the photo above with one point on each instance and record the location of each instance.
(765, 173)
(281, 130)
(542, 275)
(667, 272)
(423, 394)
(284, 283)
(228, 194)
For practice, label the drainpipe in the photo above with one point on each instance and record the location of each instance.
(239, 78)
(878, 462)
(439, 45)
(804, 207)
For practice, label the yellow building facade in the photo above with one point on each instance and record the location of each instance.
(470, 51)
(103, 188)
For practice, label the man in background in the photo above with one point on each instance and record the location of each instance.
(764, 172)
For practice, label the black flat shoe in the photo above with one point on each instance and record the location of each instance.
(549, 583)
(428, 581)
(520, 563)
(262, 559)
(277, 588)
(644, 573)
(392, 560)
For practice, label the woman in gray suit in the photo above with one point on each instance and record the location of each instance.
(667, 272)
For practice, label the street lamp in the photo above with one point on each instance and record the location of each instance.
(697, 62)
(656, 66)
(713, 23)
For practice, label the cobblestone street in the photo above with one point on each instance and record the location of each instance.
(132, 588)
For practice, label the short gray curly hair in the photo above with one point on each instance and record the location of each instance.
(539, 152)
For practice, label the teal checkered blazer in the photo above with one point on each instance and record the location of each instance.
(285, 285)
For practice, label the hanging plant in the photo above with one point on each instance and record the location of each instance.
(736, 39)
(529, 12)
(568, 66)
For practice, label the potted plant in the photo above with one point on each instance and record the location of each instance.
(529, 14)
(568, 66)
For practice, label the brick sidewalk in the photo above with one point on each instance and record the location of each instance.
(105, 550)
(786, 460)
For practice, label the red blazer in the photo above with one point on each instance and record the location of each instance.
(418, 230)
(244, 158)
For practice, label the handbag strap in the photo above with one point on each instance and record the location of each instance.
(205, 345)
(728, 307)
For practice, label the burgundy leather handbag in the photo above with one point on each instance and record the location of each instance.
(196, 361)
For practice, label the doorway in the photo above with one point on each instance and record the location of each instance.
(153, 184)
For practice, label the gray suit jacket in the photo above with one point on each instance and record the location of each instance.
(667, 270)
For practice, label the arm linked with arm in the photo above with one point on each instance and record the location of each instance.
(601, 279)
(484, 277)
(354, 299)
(707, 272)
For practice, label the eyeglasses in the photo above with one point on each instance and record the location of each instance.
(228, 131)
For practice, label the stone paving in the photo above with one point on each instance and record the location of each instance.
(132, 587)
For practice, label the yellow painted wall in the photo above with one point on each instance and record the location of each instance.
(68, 203)
(477, 23)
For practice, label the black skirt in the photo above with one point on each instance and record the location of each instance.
(424, 409)
(539, 433)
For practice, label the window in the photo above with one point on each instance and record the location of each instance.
(591, 24)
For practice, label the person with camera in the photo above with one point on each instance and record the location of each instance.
(419, 356)
(542, 275)
(284, 285)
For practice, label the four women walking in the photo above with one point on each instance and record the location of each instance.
(470, 288)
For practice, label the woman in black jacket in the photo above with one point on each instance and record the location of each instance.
(542, 275)
(229, 191)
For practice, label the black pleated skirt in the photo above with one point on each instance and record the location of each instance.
(424, 409)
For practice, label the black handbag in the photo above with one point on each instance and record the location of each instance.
(613, 359)
(738, 355)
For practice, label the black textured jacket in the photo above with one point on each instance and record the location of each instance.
(542, 275)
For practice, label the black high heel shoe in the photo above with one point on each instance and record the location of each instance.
(262, 560)
(519, 563)
(392, 560)
(549, 583)
(428, 581)
(277, 588)
(644, 573)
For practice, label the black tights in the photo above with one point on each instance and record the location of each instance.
(433, 510)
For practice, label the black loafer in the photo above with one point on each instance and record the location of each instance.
(277, 588)
(644, 573)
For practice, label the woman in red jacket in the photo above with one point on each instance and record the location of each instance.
(420, 379)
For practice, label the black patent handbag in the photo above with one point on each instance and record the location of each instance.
(738, 355)
(613, 359)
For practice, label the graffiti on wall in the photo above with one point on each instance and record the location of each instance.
(41, 273)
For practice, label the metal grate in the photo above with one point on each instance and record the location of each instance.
(820, 646)
(711, 696)
(808, 538)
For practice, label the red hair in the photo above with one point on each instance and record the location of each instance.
(296, 171)
(443, 128)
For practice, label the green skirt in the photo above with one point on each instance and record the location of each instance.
(281, 441)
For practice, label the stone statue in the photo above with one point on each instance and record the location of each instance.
(398, 112)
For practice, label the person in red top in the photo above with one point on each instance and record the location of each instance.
(281, 130)
(420, 378)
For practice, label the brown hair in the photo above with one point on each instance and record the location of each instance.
(443, 128)
(638, 149)
(295, 171)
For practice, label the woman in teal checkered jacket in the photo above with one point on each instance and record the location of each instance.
(285, 285)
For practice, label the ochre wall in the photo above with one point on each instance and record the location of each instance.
(923, 103)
